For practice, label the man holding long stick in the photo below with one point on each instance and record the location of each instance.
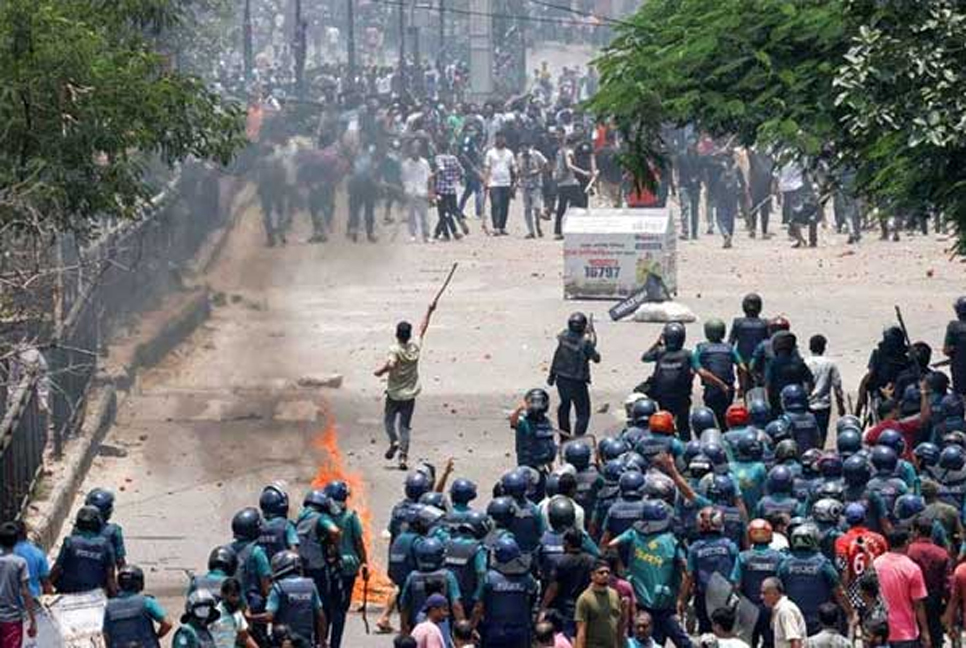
(403, 386)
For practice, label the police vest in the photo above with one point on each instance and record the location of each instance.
(401, 517)
(507, 604)
(953, 493)
(525, 527)
(633, 435)
(889, 489)
(127, 622)
(623, 514)
(202, 636)
(552, 553)
(453, 519)
(295, 606)
(653, 444)
(804, 430)
(85, 565)
(718, 358)
(247, 575)
(805, 583)
(756, 566)
(207, 582)
(588, 481)
(311, 550)
(402, 558)
(570, 360)
(461, 561)
(543, 447)
(712, 555)
(769, 506)
(420, 583)
(748, 332)
(272, 538)
(734, 525)
(672, 377)
(957, 333)
(803, 487)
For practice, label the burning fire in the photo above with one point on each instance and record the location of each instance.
(333, 468)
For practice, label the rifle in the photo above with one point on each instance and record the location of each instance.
(591, 331)
(905, 334)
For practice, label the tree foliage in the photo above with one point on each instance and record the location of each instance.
(873, 86)
(87, 101)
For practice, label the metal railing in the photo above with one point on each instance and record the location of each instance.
(22, 441)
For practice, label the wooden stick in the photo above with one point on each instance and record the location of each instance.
(449, 278)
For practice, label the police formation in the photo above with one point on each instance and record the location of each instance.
(690, 509)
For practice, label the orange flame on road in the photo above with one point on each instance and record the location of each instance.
(333, 468)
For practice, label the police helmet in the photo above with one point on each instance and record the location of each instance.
(642, 411)
(430, 554)
(130, 579)
(736, 416)
(634, 461)
(515, 484)
(506, 550)
(578, 454)
(655, 516)
(893, 439)
(749, 447)
(849, 441)
(338, 491)
(479, 523)
(632, 484)
(502, 510)
(856, 471)
(956, 437)
(702, 418)
(760, 532)
(714, 329)
(855, 513)
(779, 480)
(577, 322)
(830, 466)
(660, 487)
(434, 499)
(908, 506)
(674, 335)
(316, 499)
(661, 423)
(691, 450)
(830, 490)
(202, 606)
(810, 460)
(960, 307)
(848, 421)
(285, 563)
(632, 398)
(884, 459)
(710, 520)
(425, 518)
(247, 524)
(759, 412)
(538, 401)
(700, 466)
(910, 401)
(952, 458)
(927, 453)
(462, 491)
(804, 538)
(778, 430)
(552, 484)
(777, 324)
(952, 405)
(103, 499)
(786, 450)
(89, 519)
(751, 305)
(795, 522)
(416, 484)
(273, 501)
(613, 470)
(716, 454)
(722, 490)
(223, 559)
(610, 448)
(827, 511)
(561, 513)
(794, 398)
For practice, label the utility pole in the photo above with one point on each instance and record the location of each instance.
(299, 48)
(351, 39)
(248, 48)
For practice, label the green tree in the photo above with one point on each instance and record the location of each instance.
(88, 100)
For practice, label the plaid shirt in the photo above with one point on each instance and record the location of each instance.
(449, 173)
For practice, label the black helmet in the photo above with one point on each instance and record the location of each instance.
(430, 554)
(642, 411)
(285, 563)
(247, 524)
(434, 499)
(103, 499)
(479, 522)
(538, 401)
(561, 514)
(714, 329)
(578, 454)
(632, 484)
(960, 307)
(416, 484)
(577, 323)
(317, 500)
(223, 559)
(462, 491)
(786, 450)
(130, 579)
(674, 335)
(89, 519)
(751, 305)
(273, 501)
(502, 510)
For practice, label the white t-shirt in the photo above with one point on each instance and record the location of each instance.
(731, 642)
(500, 162)
(415, 177)
(790, 178)
(225, 630)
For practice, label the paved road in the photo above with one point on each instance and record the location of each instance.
(222, 416)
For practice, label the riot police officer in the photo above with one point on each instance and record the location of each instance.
(626, 511)
(430, 577)
(673, 378)
(884, 480)
(506, 599)
(722, 492)
(103, 500)
(417, 483)
(200, 611)
(278, 532)
(779, 497)
(352, 558)
(222, 563)
(751, 568)
(461, 493)
(254, 571)
(809, 577)
(886, 362)
(954, 346)
(527, 523)
(466, 556)
(711, 553)
(579, 454)
(748, 332)
(749, 470)
(717, 363)
(856, 474)
(535, 444)
(319, 538)
(802, 423)
(130, 617)
(86, 559)
(294, 601)
(570, 371)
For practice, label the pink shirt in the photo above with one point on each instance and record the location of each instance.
(560, 641)
(428, 635)
(901, 585)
